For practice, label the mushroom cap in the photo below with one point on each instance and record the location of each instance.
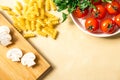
(4, 36)
(4, 29)
(29, 56)
(15, 59)
(14, 53)
(28, 59)
(5, 42)
(31, 63)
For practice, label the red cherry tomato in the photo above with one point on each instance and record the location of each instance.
(107, 26)
(99, 12)
(117, 20)
(96, 2)
(79, 13)
(91, 24)
(113, 8)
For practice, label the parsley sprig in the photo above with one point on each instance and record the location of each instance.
(70, 5)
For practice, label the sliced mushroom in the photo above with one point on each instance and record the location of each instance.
(6, 42)
(4, 29)
(28, 59)
(5, 37)
(14, 54)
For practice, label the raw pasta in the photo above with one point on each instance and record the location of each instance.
(29, 34)
(36, 18)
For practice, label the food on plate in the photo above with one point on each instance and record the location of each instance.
(99, 17)
(5, 37)
(28, 59)
(14, 54)
(107, 25)
(99, 12)
(113, 7)
(70, 5)
(33, 16)
(96, 2)
(117, 19)
(80, 13)
(91, 24)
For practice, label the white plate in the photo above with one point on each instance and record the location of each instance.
(80, 24)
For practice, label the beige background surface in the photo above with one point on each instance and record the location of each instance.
(75, 55)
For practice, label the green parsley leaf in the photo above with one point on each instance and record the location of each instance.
(70, 5)
(64, 15)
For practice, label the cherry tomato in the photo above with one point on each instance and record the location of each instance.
(79, 13)
(113, 8)
(117, 20)
(96, 2)
(91, 24)
(99, 12)
(107, 26)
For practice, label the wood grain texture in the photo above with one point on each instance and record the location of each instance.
(15, 70)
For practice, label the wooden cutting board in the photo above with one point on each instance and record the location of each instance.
(15, 70)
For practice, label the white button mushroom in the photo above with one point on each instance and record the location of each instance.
(28, 59)
(6, 42)
(4, 29)
(14, 54)
(5, 37)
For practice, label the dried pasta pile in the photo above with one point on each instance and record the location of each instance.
(33, 17)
